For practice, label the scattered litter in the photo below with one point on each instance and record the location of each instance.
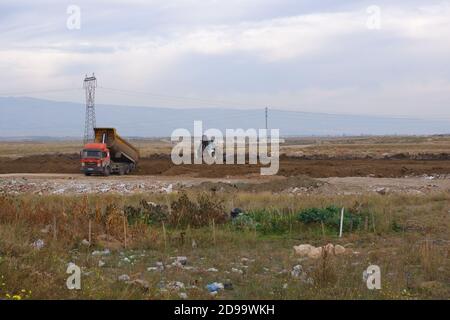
(183, 295)
(235, 270)
(212, 270)
(167, 189)
(160, 265)
(124, 277)
(297, 271)
(381, 190)
(46, 229)
(77, 186)
(175, 285)
(365, 276)
(235, 213)
(84, 242)
(215, 286)
(101, 253)
(181, 260)
(101, 263)
(189, 268)
(38, 244)
(152, 269)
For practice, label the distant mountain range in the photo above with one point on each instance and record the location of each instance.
(30, 117)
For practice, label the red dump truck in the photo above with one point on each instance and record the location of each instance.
(109, 153)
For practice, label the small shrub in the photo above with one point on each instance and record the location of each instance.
(185, 212)
(146, 213)
(265, 221)
(396, 227)
(244, 222)
(331, 217)
(114, 221)
(325, 271)
(272, 221)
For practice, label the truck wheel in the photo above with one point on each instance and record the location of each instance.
(121, 171)
(106, 172)
(87, 174)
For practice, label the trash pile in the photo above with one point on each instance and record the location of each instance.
(71, 186)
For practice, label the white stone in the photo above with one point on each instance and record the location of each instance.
(303, 249)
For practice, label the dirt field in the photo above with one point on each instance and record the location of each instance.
(332, 147)
(387, 157)
(289, 166)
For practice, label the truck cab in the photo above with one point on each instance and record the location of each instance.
(95, 159)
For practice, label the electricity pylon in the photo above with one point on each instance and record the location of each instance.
(90, 83)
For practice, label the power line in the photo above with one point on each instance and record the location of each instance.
(180, 98)
(39, 91)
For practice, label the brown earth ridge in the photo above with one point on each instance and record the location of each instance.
(316, 166)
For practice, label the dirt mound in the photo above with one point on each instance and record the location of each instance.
(56, 163)
(277, 185)
(386, 156)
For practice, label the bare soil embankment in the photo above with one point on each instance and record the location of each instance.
(289, 166)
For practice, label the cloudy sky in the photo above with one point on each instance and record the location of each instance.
(359, 57)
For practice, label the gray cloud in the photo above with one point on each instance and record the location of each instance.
(297, 55)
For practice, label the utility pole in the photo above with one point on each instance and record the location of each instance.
(267, 110)
(89, 84)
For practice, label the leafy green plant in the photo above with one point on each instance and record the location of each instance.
(244, 222)
(265, 221)
(396, 227)
(330, 217)
(273, 221)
